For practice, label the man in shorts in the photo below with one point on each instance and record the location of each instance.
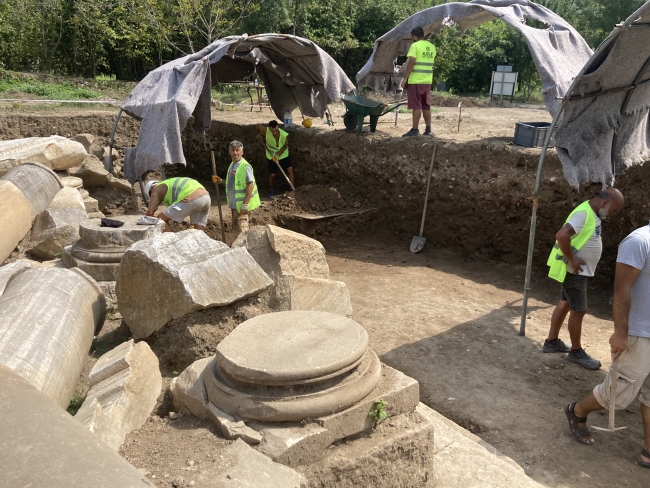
(276, 146)
(183, 197)
(630, 343)
(572, 262)
(419, 76)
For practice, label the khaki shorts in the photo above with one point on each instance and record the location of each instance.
(197, 211)
(633, 375)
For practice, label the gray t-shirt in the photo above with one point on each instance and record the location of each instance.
(231, 182)
(593, 248)
(635, 251)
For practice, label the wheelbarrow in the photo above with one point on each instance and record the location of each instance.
(357, 109)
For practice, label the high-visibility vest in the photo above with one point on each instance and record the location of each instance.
(424, 53)
(557, 262)
(272, 145)
(179, 189)
(240, 187)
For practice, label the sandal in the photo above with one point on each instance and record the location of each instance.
(574, 420)
(641, 462)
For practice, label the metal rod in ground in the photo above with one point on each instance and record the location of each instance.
(110, 145)
(397, 110)
(460, 105)
(216, 187)
(533, 219)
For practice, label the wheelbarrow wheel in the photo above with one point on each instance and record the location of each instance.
(350, 121)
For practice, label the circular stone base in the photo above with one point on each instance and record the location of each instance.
(93, 237)
(289, 348)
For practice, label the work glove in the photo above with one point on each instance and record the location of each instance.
(216, 179)
(244, 208)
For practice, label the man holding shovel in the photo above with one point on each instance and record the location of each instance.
(276, 146)
(630, 343)
(241, 189)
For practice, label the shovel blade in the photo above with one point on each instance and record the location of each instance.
(607, 429)
(417, 244)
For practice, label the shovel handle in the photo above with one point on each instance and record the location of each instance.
(612, 394)
(216, 187)
(426, 195)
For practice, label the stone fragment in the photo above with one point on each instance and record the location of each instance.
(108, 288)
(91, 205)
(250, 469)
(299, 255)
(125, 385)
(84, 193)
(68, 198)
(188, 389)
(316, 294)
(120, 184)
(54, 229)
(230, 427)
(283, 252)
(96, 215)
(187, 271)
(54, 152)
(91, 172)
(72, 181)
(85, 140)
(96, 150)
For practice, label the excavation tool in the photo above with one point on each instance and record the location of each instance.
(283, 173)
(399, 102)
(357, 108)
(216, 187)
(418, 241)
(612, 400)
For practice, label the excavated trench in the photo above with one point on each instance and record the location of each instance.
(479, 204)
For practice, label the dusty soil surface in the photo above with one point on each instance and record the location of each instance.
(448, 316)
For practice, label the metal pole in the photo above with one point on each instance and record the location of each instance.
(110, 146)
(533, 219)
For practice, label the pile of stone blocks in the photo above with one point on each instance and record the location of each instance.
(301, 382)
(299, 269)
(54, 152)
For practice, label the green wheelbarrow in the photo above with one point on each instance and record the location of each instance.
(358, 107)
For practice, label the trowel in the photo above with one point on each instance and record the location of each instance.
(418, 241)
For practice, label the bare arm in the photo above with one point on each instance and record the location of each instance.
(563, 237)
(626, 276)
(410, 64)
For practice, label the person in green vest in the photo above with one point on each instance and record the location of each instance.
(419, 76)
(276, 147)
(183, 197)
(572, 262)
(241, 189)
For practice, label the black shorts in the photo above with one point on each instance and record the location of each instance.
(574, 291)
(285, 163)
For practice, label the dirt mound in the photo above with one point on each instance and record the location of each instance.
(437, 101)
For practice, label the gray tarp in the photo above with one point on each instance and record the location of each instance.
(295, 71)
(591, 126)
(558, 51)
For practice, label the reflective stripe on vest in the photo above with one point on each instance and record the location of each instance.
(557, 262)
(179, 189)
(240, 187)
(272, 146)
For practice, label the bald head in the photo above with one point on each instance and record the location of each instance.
(607, 203)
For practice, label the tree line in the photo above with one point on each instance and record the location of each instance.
(128, 38)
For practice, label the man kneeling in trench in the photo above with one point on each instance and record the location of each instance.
(183, 197)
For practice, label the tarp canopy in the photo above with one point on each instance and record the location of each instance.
(605, 128)
(295, 71)
(559, 51)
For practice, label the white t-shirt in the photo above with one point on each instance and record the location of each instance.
(593, 248)
(635, 251)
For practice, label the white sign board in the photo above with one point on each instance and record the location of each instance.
(504, 83)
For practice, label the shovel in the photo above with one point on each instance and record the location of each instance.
(216, 187)
(418, 241)
(612, 401)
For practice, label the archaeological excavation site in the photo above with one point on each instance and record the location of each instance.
(305, 291)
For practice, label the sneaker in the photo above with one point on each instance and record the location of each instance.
(271, 193)
(580, 356)
(558, 345)
(412, 133)
(428, 133)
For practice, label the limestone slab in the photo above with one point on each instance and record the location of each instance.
(120, 184)
(250, 469)
(55, 152)
(91, 172)
(316, 294)
(299, 255)
(189, 271)
(125, 385)
(230, 427)
(54, 229)
(286, 347)
(188, 389)
(91, 205)
(84, 139)
(68, 198)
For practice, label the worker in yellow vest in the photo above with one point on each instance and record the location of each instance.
(572, 262)
(241, 189)
(183, 197)
(419, 76)
(276, 147)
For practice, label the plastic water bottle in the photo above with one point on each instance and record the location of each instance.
(288, 121)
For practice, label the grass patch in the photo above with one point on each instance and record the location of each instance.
(231, 93)
(75, 404)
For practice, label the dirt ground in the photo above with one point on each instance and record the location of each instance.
(448, 316)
